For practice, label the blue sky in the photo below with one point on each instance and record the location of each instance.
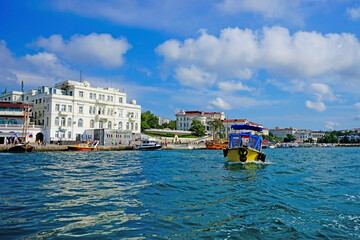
(275, 62)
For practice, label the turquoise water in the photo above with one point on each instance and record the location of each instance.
(311, 193)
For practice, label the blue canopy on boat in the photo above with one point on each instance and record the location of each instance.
(246, 127)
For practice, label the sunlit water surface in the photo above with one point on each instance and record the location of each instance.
(298, 194)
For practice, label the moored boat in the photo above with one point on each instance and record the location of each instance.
(85, 146)
(244, 146)
(148, 144)
(21, 148)
(217, 144)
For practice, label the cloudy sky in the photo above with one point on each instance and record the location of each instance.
(275, 62)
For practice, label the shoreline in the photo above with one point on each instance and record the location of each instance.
(60, 148)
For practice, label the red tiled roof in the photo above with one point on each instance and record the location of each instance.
(234, 120)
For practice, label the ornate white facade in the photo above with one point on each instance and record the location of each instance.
(185, 118)
(68, 109)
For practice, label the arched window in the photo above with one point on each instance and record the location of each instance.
(62, 121)
(109, 125)
(80, 123)
(120, 125)
(100, 124)
(127, 126)
(136, 126)
(57, 121)
(132, 126)
(2, 121)
(92, 124)
(12, 121)
(69, 122)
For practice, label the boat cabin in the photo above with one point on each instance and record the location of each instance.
(245, 140)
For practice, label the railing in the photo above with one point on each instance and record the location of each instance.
(19, 126)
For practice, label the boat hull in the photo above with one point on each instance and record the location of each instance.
(75, 148)
(244, 154)
(21, 149)
(148, 148)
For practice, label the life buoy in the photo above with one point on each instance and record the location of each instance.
(242, 154)
(261, 157)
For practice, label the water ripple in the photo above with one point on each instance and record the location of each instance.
(298, 194)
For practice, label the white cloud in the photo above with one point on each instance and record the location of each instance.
(357, 106)
(331, 125)
(194, 76)
(354, 13)
(92, 49)
(301, 55)
(267, 8)
(318, 106)
(220, 103)
(322, 92)
(230, 86)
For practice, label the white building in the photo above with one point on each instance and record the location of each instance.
(163, 120)
(185, 118)
(68, 109)
(281, 133)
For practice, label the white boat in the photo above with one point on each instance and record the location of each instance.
(148, 144)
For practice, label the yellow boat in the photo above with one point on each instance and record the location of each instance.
(244, 147)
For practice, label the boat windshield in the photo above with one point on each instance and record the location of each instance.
(245, 139)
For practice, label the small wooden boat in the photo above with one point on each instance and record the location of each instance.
(244, 147)
(85, 146)
(217, 144)
(21, 148)
(148, 144)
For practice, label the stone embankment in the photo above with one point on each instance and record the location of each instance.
(57, 148)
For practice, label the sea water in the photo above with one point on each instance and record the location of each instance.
(302, 193)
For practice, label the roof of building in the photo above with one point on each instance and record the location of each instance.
(199, 113)
(280, 130)
(15, 105)
(234, 120)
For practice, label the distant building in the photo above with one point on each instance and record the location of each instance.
(281, 133)
(163, 120)
(66, 111)
(12, 121)
(316, 135)
(185, 118)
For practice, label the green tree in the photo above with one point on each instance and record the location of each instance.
(197, 128)
(329, 137)
(149, 120)
(289, 138)
(171, 125)
(218, 127)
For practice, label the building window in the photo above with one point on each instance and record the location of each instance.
(109, 125)
(81, 109)
(63, 108)
(127, 126)
(108, 98)
(120, 125)
(47, 121)
(136, 126)
(120, 113)
(12, 121)
(90, 95)
(92, 124)
(62, 121)
(57, 121)
(69, 122)
(90, 110)
(80, 123)
(81, 94)
(100, 124)
(108, 111)
(69, 134)
(111, 98)
(120, 100)
(132, 126)
(94, 95)
(69, 108)
(57, 107)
